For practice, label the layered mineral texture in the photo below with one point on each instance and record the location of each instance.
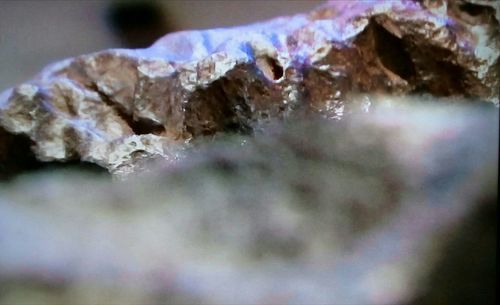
(116, 107)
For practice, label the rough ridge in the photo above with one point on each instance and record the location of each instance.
(118, 106)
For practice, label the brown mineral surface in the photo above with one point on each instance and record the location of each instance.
(117, 107)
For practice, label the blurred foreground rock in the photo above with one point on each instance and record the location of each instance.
(118, 107)
(395, 206)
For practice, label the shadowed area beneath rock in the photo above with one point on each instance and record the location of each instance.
(17, 158)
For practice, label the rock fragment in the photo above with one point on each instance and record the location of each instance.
(111, 106)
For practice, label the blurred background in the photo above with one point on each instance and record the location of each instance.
(35, 33)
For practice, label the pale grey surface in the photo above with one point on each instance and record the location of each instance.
(298, 215)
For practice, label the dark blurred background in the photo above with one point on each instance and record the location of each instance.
(35, 33)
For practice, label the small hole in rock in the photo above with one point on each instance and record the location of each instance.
(145, 126)
(270, 67)
(140, 153)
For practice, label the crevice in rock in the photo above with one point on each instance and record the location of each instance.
(438, 76)
(138, 125)
(392, 52)
(448, 80)
(218, 108)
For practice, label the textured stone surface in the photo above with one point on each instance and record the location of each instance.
(357, 211)
(116, 107)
